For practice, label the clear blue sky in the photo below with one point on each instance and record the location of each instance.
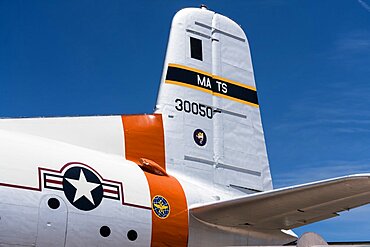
(311, 61)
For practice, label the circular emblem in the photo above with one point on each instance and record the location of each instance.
(160, 206)
(82, 188)
(200, 137)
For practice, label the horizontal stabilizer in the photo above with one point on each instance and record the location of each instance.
(289, 207)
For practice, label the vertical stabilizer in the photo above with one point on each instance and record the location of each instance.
(208, 99)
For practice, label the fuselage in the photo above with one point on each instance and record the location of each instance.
(133, 180)
(59, 194)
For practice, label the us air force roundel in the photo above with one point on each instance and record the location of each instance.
(161, 207)
(200, 137)
(82, 188)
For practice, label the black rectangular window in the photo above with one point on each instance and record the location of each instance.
(196, 48)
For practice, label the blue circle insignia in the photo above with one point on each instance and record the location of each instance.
(82, 188)
(200, 137)
(160, 207)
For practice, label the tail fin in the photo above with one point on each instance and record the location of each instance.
(208, 99)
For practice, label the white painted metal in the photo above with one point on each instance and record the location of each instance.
(52, 223)
(22, 155)
(204, 234)
(101, 133)
(235, 155)
(18, 217)
(215, 177)
(290, 207)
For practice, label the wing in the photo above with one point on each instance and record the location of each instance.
(289, 207)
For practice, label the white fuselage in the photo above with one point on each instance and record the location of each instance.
(30, 167)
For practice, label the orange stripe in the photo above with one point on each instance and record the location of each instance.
(144, 138)
(172, 230)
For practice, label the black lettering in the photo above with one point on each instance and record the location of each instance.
(187, 106)
(197, 79)
(209, 112)
(202, 110)
(179, 106)
(194, 108)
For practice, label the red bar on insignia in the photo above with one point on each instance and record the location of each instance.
(110, 191)
(53, 182)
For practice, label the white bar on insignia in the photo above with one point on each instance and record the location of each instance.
(53, 181)
(110, 194)
(54, 185)
(50, 177)
(107, 187)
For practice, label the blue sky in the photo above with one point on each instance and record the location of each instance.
(311, 61)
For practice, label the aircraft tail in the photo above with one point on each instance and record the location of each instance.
(209, 103)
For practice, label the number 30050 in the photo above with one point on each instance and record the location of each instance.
(193, 107)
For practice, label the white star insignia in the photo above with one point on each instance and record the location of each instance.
(83, 187)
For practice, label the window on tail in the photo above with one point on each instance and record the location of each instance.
(196, 49)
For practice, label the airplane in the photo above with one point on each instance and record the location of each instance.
(193, 173)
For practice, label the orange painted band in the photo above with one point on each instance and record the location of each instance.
(144, 139)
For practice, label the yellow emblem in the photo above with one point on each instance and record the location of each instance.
(200, 137)
(160, 207)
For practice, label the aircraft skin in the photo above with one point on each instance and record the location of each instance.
(35, 170)
(194, 173)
